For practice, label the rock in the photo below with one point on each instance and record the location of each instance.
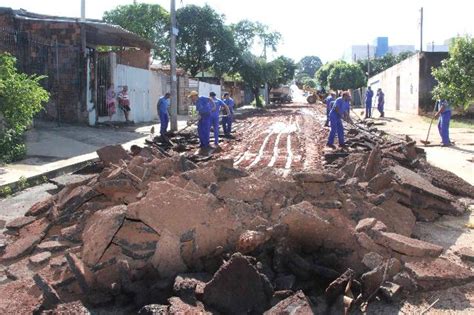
(379, 226)
(118, 189)
(224, 173)
(248, 189)
(67, 206)
(201, 176)
(405, 281)
(407, 246)
(51, 297)
(52, 246)
(391, 291)
(83, 274)
(314, 177)
(2, 224)
(112, 154)
(237, 287)
(186, 282)
(20, 297)
(285, 282)
(40, 258)
(426, 215)
(178, 306)
(154, 309)
(40, 207)
(373, 163)
(20, 222)
(30, 235)
(372, 260)
(75, 307)
(466, 253)
(72, 233)
(136, 239)
(297, 304)
(438, 273)
(372, 280)
(380, 182)
(99, 232)
(338, 286)
(366, 224)
(167, 257)
(251, 240)
(396, 217)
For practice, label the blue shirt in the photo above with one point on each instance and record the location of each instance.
(340, 105)
(368, 96)
(444, 103)
(328, 100)
(163, 104)
(203, 105)
(381, 97)
(219, 103)
(230, 103)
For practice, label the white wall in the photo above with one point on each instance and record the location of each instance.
(206, 88)
(409, 73)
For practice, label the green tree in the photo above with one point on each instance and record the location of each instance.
(283, 69)
(254, 71)
(21, 97)
(309, 65)
(344, 76)
(455, 76)
(150, 21)
(323, 73)
(247, 34)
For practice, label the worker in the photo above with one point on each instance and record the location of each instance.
(336, 116)
(124, 102)
(227, 120)
(444, 114)
(329, 101)
(369, 94)
(347, 107)
(380, 102)
(219, 104)
(163, 107)
(204, 105)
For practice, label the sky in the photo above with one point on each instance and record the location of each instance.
(312, 27)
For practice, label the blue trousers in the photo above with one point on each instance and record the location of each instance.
(215, 126)
(380, 107)
(336, 128)
(368, 110)
(227, 125)
(164, 120)
(204, 128)
(443, 126)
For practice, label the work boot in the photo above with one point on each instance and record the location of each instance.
(332, 146)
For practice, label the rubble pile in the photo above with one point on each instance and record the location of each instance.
(159, 234)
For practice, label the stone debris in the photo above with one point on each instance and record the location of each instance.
(160, 234)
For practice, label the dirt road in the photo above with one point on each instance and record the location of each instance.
(287, 138)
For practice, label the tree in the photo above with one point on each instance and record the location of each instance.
(323, 73)
(455, 75)
(254, 71)
(380, 64)
(309, 65)
(150, 21)
(248, 33)
(21, 97)
(344, 76)
(283, 69)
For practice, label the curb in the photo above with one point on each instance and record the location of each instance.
(35, 180)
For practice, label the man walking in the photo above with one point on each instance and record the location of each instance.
(204, 106)
(227, 120)
(380, 102)
(444, 114)
(369, 94)
(335, 117)
(163, 107)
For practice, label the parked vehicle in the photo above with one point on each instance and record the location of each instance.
(281, 95)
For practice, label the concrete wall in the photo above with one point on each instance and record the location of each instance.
(408, 73)
(428, 60)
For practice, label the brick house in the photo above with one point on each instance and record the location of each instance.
(67, 51)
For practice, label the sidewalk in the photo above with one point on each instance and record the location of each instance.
(53, 150)
(457, 159)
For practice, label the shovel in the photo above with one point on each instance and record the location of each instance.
(426, 142)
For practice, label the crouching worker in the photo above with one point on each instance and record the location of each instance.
(335, 117)
(204, 106)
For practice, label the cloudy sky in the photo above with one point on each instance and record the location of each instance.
(312, 27)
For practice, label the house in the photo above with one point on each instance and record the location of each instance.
(69, 52)
(408, 84)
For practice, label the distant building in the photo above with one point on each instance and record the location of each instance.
(408, 84)
(379, 49)
(381, 46)
(432, 47)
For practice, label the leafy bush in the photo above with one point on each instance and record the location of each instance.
(21, 97)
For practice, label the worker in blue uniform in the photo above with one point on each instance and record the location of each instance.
(444, 114)
(204, 106)
(380, 102)
(215, 116)
(163, 107)
(227, 120)
(335, 116)
(329, 101)
(369, 94)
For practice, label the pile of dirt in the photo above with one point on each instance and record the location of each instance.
(161, 234)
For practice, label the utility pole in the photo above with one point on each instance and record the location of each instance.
(265, 95)
(432, 46)
(174, 83)
(83, 10)
(368, 60)
(421, 29)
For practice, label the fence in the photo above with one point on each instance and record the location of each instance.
(61, 64)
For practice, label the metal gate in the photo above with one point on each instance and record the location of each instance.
(103, 82)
